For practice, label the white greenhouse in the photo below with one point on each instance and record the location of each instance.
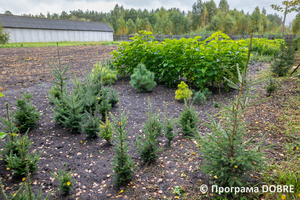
(30, 29)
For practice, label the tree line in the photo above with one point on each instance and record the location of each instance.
(204, 18)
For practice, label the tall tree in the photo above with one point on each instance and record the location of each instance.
(4, 35)
(224, 6)
(8, 13)
(286, 7)
(211, 9)
(256, 20)
(196, 15)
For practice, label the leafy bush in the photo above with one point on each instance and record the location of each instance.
(26, 114)
(65, 179)
(142, 79)
(108, 73)
(283, 60)
(183, 92)
(123, 165)
(4, 35)
(198, 61)
(188, 121)
(266, 47)
(201, 96)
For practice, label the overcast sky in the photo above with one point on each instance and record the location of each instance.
(18, 7)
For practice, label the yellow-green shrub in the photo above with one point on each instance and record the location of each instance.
(183, 92)
(109, 75)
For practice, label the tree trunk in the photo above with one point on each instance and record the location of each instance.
(285, 12)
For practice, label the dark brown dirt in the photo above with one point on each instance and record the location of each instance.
(25, 70)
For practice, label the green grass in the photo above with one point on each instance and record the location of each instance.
(52, 44)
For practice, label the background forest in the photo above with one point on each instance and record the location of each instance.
(204, 18)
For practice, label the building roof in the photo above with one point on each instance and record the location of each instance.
(13, 21)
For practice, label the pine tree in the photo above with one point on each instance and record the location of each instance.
(74, 108)
(26, 115)
(147, 146)
(60, 81)
(227, 158)
(188, 121)
(169, 123)
(142, 79)
(153, 122)
(8, 125)
(123, 165)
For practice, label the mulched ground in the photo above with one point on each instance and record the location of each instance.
(25, 70)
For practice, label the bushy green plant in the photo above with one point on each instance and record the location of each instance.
(123, 164)
(271, 86)
(183, 92)
(153, 122)
(113, 97)
(8, 125)
(216, 105)
(283, 60)
(90, 123)
(105, 107)
(65, 179)
(169, 123)
(146, 144)
(201, 96)
(106, 130)
(26, 194)
(26, 114)
(142, 79)
(4, 35)
(188, 120)
(109, 74)
(17, 161)
(226, 157)
(60, 79)
(73, 109)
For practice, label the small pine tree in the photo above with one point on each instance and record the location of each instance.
(183, 93)
(105, 107)
(227, 158)
(153, 120)
(188, 120)
(60, 81)
(74, 117)
(106, 130)
(142, 79)
(8, 125)
(26, 115)
(146, 144)
(113, 97)
(169, 123)
(123, 165)
(65, 180)
(17, 162)
(283, 60)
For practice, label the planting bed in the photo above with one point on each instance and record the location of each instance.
(90, 160)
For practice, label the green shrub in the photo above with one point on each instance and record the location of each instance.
(201, 96)
(142, 79)
(283, 60)
(146, 144)
(17, 161)
(271, 86)
(113, 97)
(123, 164)
(169, 123)
(227, 158)
(188, 121)
(108, 73)
(105, 107)
(106, 130)
(73, 109)
(216, 105)
(90, 123)
(65, 180)
(8, 125)
(183, 92)
(153, 124)
(26, 114)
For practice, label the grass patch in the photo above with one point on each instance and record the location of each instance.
(262, 58)
(53, 44)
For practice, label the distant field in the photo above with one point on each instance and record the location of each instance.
(51, 44)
